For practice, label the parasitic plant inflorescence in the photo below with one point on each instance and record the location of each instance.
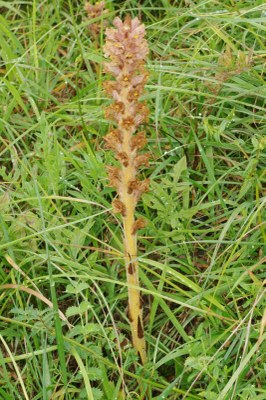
(95, 11)
(127, 50)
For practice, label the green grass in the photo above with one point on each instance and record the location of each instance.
(201, 255)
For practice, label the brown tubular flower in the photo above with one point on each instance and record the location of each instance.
(127, 50)
(95, 11)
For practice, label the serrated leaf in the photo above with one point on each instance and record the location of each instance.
(97, 394)
(94, 373)
(74, 310)
(29, 313)
(198, 363)
(208, 395)
(91, 328)
(85, 330)
(77, 288)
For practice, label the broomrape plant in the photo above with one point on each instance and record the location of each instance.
(95, 11)
(127, 50)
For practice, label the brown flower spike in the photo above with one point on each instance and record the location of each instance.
(95, 11)
(127, 50)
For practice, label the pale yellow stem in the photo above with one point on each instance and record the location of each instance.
(134, 298)
(130, 244)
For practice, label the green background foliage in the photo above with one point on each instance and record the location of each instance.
(201, 254)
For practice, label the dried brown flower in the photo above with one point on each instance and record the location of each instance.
(138, 141)
(119, 207)
(137, 187)
(123, 158)
(114, 175)
(95, 11)
(113, 140)
(138, 224)
(142, 159)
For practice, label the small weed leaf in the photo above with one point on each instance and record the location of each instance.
(77, 288)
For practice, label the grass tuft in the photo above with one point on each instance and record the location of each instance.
(202, 257)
